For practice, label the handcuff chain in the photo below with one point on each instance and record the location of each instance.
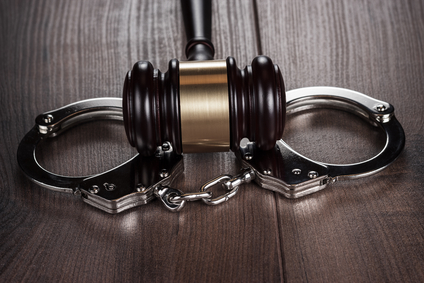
(175, 200)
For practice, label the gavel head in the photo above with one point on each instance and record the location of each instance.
(204, 106)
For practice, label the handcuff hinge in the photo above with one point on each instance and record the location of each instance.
(140, 179)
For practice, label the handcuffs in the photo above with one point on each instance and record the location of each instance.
(142, 179)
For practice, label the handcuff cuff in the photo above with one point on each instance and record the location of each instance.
(142, 179)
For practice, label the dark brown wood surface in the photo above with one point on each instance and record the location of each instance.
(369, 230)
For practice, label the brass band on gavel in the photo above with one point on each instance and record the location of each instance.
(204, 106)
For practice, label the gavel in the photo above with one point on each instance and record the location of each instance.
(203, 105)
(206, 105)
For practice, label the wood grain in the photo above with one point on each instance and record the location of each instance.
(370, 230)
(57, 52)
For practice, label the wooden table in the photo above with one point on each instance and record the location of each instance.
(53, 53)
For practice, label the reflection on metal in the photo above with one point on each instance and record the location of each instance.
(139, 180)
(113, 191)
(295, 175)
(204, 106)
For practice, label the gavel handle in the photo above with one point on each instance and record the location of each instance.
(197, 16)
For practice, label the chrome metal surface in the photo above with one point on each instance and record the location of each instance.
(245, 176)
(313, 174)
(216, 181)
(295, 175)
(230, 183)
(53, 123)
(371, 109)
(140, 179)
(165, 194)
(289, 171)
(94, 189)
(113, 191)
(164, 173)
(296, 171)
(191, 196)
(140, 188)
(267, 172)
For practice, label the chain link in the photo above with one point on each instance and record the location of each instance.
(190, 197)
(175, 200)
(223, 179)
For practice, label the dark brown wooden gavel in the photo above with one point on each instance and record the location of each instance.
(203, 105)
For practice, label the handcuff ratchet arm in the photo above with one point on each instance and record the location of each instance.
(140, 179)
(130, 184)
(293, 175)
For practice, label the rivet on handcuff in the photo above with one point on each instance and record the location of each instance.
(205, 105)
